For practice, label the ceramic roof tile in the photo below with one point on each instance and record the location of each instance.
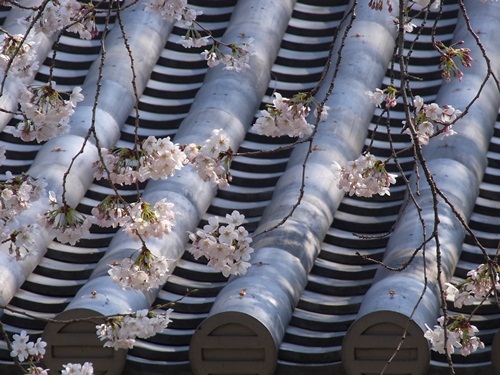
(308, 283)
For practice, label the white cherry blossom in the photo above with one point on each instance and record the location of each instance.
(64, 222)
(145, 272)
(456, 333)
(363, 177)
(120, 332)
(78, 369)
(46, 114)
(226, 247)
(213, 159)
(286, 117)
(376, 97)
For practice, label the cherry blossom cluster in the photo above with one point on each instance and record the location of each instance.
(146, 272)
(64, 222)
(235, 56)
(155, 159)
(173, 10)
(17, 55)
(71, 14)
(78, 369)
(17, 194)
(146, 220)
(427, 116)
(193, 38)
(110, 212)
(387, 95)
(24, 350)
(120, 332)
(480, 284)
(227, 247)
(288, 116)
(45, 113)
(457, 333)
(364, 177)
(447, 62)
(212, 160)
(139, 219)
(408, 26)
(379, 4)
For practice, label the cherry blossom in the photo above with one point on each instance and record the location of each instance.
(24, 350)
(173, 10)
(432, 4)
(364, 177)
(60, 14)
(428, 116)
(78, 369)
(120, 332)
(234, 56)
(189, 41)
(146, 272)
(378, 96)
(34, 370)
(64, 222)
(18, 55)
(110, 212)
(155, 159)
(19, 192)
(447, 62)
(212, 160)
(21, 238)
(480, 284)
(145, 220)
(227, 247)
(288, 117)
(458, 333)
(16, 196)
(408, 26)
(46, 113)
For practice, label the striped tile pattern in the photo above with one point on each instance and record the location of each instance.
(339, 278)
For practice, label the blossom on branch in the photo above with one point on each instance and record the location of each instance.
(427, 116)
(155, 159)
(173, 10)
(64, 222)
(227, 247)
(378, 96)
(146, 272)
(57, 15)
(46, 114)
(212, 160)
(17, 56)
(145, 220)
(456, 333)
(16, 196)
(288, 116)
(110, 212)
(364, 177)
(23, 349)
(235, 57)
(447, 62)
(432, 4)
(480, 284)
(120, 332)
(78, 369)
